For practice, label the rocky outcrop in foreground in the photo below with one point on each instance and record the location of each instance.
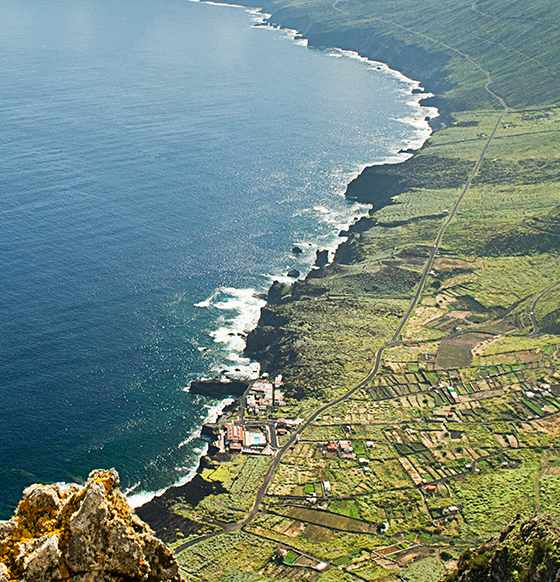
(526, 551)
(81, 534)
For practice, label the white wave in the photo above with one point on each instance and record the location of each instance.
(281, 279)
(131, 489)
(194, 435)
(207, 302)
(243, 368)
(291, 33)
(417, 123)
(212, 415)
(241, 310)
(214, 411)
(259, 17)
(218, 3)
(139, 499)
(340, 219)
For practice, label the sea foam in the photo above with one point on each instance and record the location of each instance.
(239, 311)
(142, 497)
(239, 308)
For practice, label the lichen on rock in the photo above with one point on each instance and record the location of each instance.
(81, 534)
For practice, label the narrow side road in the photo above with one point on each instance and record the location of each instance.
(535, 331)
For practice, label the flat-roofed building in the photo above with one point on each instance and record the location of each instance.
(234, 433)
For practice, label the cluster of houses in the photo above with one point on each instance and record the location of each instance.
(292, 557)
(445, 514)
(312, 497)
(345, 450)
(239, 439)
(543, 388)
(255, 437)
(264, 394)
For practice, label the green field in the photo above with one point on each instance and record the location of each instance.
(459, 424)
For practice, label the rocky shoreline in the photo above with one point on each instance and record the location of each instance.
(375, 185)
(410, 59)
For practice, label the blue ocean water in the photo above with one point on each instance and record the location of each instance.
(158, 161)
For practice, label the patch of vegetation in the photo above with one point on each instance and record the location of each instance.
(426, 570)
(225, 557)
(524, 551)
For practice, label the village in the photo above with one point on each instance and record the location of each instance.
(249, 433)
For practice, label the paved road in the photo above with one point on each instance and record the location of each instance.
(394, 340)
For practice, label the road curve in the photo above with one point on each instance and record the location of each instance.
(394, 340)
(536, 330)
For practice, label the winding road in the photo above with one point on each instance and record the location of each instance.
(536, 330)
(395, 338)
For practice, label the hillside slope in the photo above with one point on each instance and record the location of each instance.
(433, 443)
(525, 550)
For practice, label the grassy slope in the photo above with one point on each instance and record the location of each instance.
(497, 257)
(516, 186)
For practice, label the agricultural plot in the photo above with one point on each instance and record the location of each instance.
(429, 477)
(225, 557)
(276, 571)
(330, 520)
(467, 403)
(319, 541)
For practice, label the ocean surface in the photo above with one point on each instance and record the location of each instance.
(158, 161)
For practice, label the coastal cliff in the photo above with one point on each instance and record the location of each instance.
(285, 340)
(81, 534)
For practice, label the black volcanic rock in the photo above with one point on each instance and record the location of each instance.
(159, 515)
(322, 259)
(217, 388)
(276, 292)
